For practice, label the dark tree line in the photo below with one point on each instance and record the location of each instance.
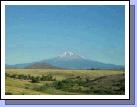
(34, 79)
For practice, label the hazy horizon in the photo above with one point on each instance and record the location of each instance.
(36, 33)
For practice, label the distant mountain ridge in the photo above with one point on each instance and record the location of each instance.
(68, 60)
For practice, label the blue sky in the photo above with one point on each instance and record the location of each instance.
(35, 33)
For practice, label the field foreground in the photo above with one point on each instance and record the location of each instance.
(64, 82)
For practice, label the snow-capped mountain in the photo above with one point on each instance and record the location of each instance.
(69, 55)
(70, 60)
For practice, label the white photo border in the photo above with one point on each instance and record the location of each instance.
(125, 3)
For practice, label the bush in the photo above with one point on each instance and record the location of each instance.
(8, 93)
(34, 80)
(48, 77)
(57, 84)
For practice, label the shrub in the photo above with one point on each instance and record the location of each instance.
(57, 84)
(8, 93)
(34, 80)
(48, 77)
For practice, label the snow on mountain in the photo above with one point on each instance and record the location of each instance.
(69, 55)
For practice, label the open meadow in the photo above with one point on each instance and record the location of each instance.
(64, 82)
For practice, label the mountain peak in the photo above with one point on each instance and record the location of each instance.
(68, 54)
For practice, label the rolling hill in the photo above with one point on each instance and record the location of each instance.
(41, 66)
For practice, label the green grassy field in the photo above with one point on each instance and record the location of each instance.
(64, 82)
